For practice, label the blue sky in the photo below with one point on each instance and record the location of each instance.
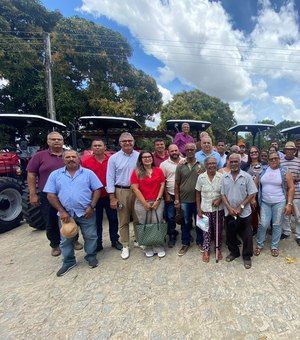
(245, 52)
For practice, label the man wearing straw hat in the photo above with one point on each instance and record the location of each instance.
(293, 164)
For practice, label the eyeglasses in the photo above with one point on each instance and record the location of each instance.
(127, 141)
(274, 159)
(56, 139)
(190, 150)
(253, 152)
(146, 156)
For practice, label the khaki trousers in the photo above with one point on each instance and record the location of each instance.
(127, 198)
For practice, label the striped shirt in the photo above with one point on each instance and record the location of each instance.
(294, 166)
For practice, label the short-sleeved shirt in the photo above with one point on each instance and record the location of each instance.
(149, 186)
(43, 163)
(294, 166)
(99, 168)
(237, 190)
(169, 167)
(158, 159)
(181, 140)
(187, 179)
(210, 190)
(74, 193)
(201, 156)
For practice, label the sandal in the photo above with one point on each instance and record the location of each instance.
(205, 257)
(274, 252)
(257, 251)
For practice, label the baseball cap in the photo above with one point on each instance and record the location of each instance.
(241, 143)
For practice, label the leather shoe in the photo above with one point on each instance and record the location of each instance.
(230, 258)
(78, 245)
(55, 251)
(247, 264)
(99, 248)
(117, 245)
(284, 236)
(172, 241)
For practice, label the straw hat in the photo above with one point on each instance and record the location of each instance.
(290, 145)
(70, 229)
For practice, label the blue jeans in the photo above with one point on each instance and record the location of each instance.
(170, 218)
(89, 232)
(270, 212)
(112, 216)
(189, 211)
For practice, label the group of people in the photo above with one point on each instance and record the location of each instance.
(247, 195)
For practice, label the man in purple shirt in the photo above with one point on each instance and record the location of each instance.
(183, 138)
(39, 168)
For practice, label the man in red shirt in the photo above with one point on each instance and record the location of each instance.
(98, 164)
(160, 153)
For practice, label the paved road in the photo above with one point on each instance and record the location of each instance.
(141, 298)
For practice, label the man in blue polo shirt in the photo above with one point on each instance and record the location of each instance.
(206, 151)
(74, 191)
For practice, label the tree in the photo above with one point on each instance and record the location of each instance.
(200, 106)
(91, 73)
(274, 133)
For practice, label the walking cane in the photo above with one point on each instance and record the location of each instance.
(217, 235)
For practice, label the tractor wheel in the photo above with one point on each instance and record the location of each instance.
(10, 203)
(32, 215)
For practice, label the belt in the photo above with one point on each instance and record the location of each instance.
(122, 187)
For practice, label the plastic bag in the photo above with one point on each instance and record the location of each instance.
(202, 223)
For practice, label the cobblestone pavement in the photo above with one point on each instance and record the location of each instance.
(142, 298)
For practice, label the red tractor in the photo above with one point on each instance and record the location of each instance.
(14, 201)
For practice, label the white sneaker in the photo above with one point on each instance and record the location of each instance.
(125, 253)
(149, 251)
(160, 251)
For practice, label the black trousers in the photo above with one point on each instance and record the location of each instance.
(239, 227)
(51, 219)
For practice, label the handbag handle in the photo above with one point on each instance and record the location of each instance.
(146, 218)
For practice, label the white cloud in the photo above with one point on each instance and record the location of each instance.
(243, 113)
(166, 94)
(166, 74)
(197, 43)
(201, 53)
(288, 108)
(275, 42)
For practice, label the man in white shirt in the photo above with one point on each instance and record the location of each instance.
(169, 168)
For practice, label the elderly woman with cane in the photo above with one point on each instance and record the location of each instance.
(148, 183)
(209, 203)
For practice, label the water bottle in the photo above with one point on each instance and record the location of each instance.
(119, 206)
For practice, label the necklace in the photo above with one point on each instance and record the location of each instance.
(149, 172)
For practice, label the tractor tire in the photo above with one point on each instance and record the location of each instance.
(10, 203)
(32, 215)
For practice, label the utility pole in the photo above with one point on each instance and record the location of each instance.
(48, 78)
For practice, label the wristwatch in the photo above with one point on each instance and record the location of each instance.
(289, 203)
(176, 202)
(242, 206)
(158, 199)
(92, 206)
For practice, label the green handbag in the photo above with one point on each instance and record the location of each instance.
(151, 234)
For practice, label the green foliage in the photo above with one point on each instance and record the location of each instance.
(200, 106)
(274, 133)
(90, 69)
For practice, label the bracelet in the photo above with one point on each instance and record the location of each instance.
(158, 199)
